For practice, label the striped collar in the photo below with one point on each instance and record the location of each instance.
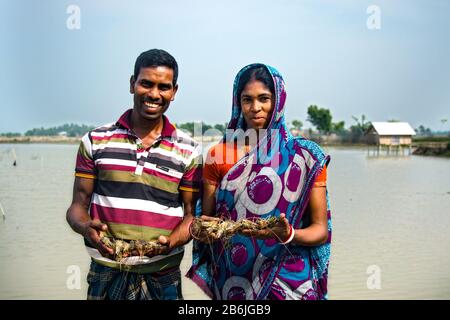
(168, 129)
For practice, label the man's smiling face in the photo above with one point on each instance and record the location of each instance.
(153, 91)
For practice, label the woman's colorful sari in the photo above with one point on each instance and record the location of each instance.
(275, 177)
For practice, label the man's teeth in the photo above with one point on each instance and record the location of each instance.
(151, 105)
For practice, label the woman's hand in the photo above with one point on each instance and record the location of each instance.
(279, 232)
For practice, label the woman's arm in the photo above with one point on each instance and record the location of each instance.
(209, 199)
(208, 210)
(317, 232)
(313, 235)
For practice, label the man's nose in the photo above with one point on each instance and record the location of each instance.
(153, 93)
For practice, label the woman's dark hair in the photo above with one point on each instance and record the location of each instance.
(156, 58)
(259, 73)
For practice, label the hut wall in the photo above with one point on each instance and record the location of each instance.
(405, 140)
(395, 140)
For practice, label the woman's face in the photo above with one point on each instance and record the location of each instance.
(257, 103)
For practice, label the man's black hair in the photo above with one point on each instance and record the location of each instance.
(156, 58)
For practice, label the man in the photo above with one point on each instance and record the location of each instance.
(138, 178)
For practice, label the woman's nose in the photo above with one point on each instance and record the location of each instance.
(256, 107)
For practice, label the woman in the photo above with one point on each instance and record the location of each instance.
(274, 174)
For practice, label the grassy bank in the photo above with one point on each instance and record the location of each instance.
(420, 140)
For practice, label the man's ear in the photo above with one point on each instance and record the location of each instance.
(175, 89)
(132, 84)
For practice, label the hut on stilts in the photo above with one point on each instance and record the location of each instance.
(390, 138)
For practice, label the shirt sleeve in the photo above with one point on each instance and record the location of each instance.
(321, 180)
(85, 165)
(192, 177)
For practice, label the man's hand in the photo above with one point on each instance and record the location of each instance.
(180, 234)
(91, 231)
(78, 217)
(165, 246)
(279, 232)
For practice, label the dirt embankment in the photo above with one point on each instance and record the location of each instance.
(433, 149)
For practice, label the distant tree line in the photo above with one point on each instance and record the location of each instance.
(10, 134)
(322, 120)
(189, 127)
(71, 130)
(422, 131)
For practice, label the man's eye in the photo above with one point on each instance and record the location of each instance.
(164, 88)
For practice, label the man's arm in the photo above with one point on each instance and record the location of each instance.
(181, 235)
(78, 217)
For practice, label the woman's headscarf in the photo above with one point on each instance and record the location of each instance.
(274, 177)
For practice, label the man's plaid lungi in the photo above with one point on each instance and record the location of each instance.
(107, 283)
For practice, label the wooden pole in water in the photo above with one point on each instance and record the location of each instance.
(13, 151)
(3, 212)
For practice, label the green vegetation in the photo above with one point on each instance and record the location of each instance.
(70, 130)
(10, 134)
(320, 118)
(189, 127)
(431, 139)
(297, 124)
(422, 131)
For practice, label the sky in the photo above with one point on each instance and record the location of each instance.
(392, 63)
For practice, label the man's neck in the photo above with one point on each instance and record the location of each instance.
(146, 128)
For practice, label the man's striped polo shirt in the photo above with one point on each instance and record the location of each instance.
(136, 190)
